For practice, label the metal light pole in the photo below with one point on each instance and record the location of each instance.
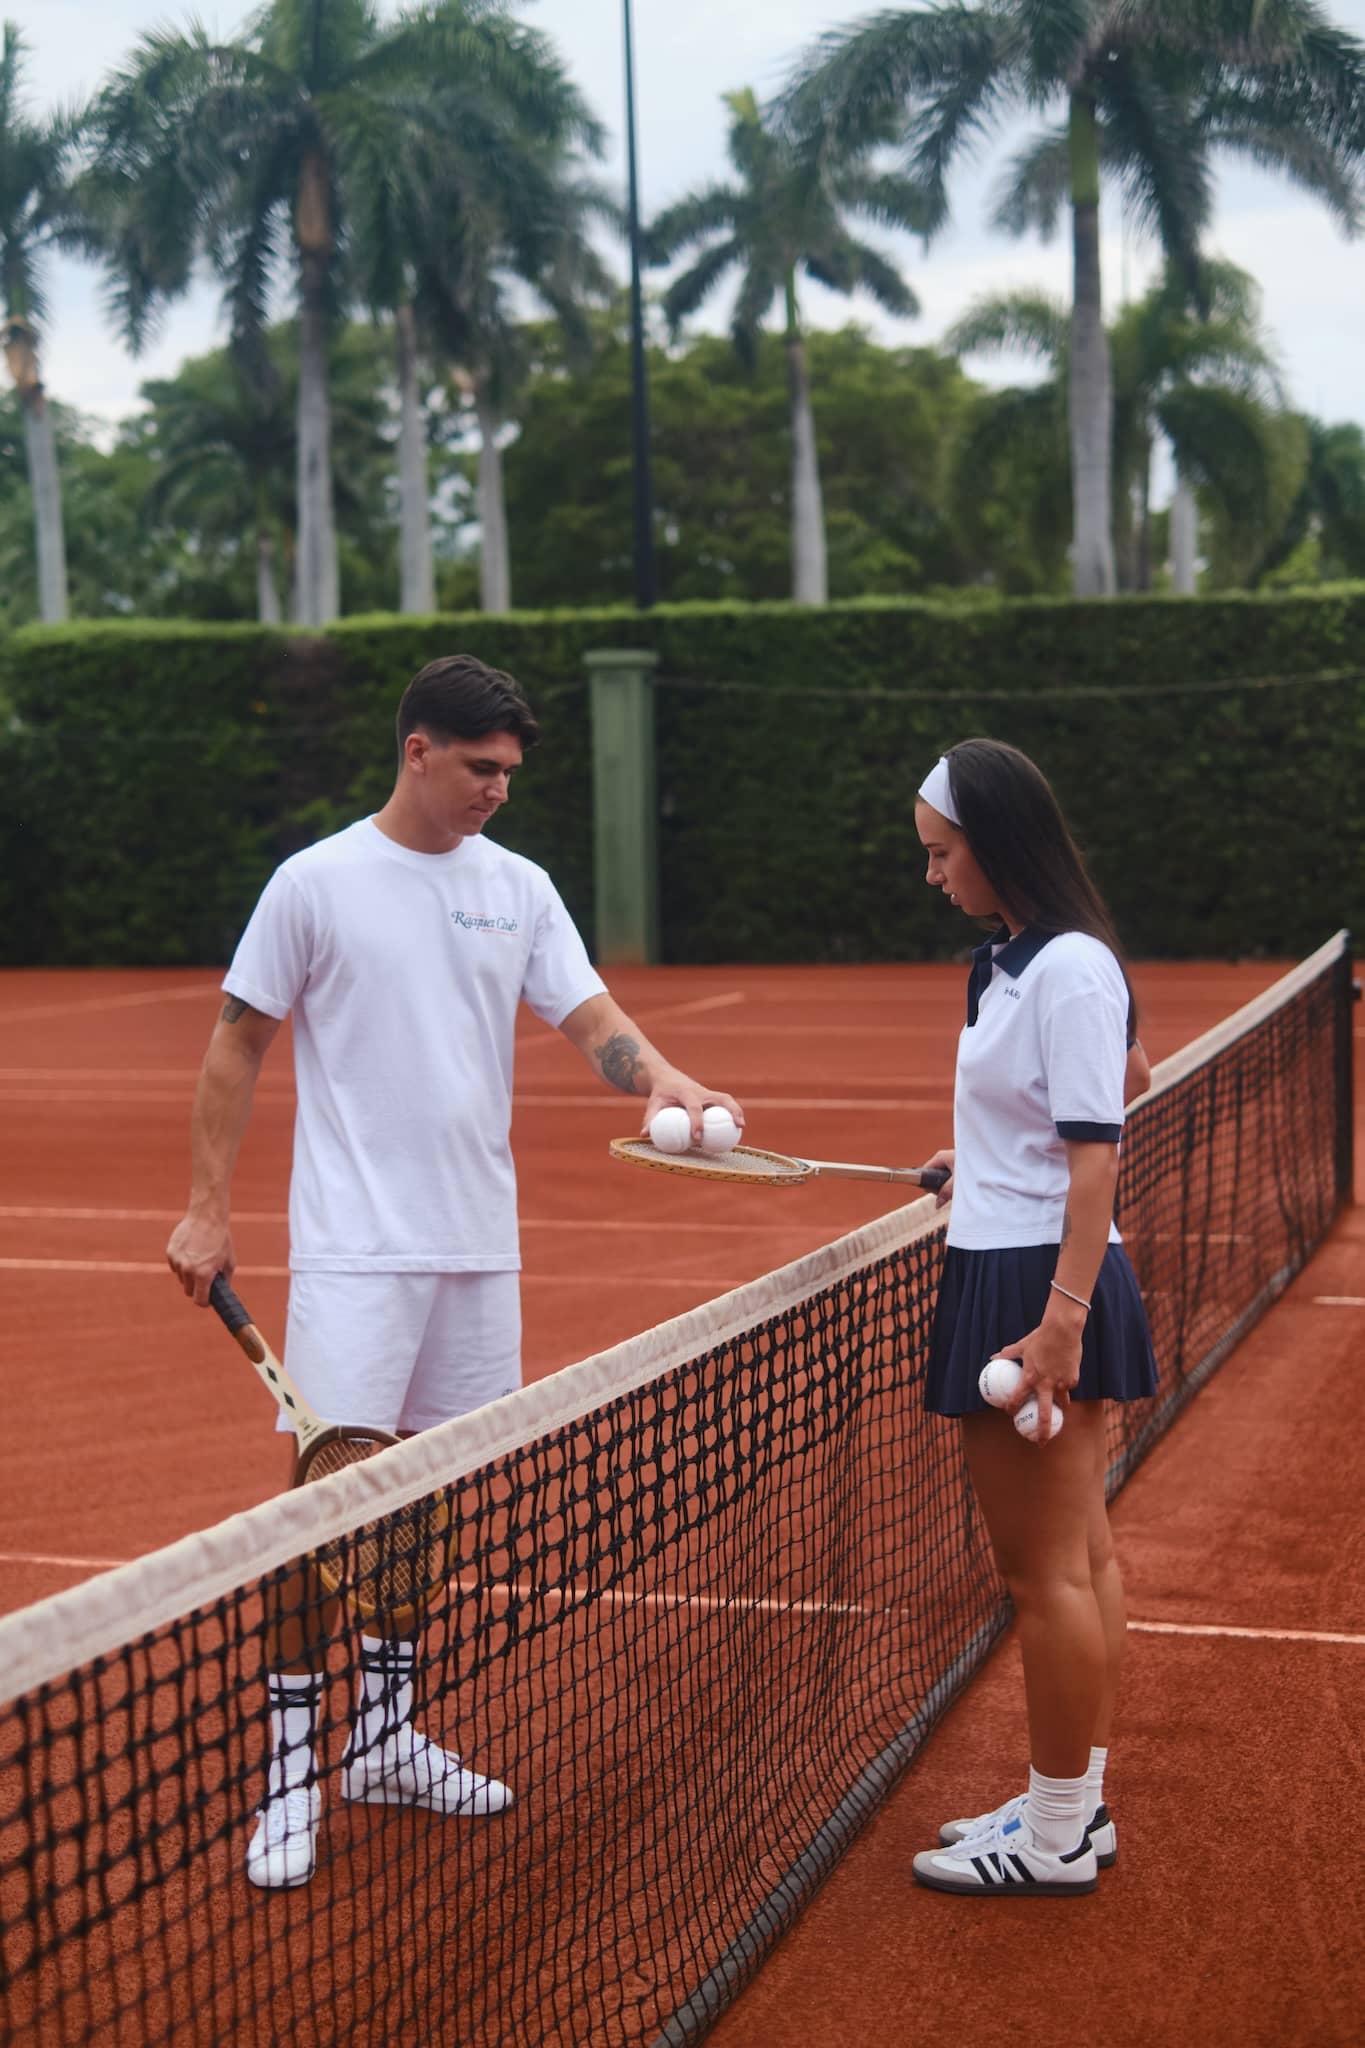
(645, 584)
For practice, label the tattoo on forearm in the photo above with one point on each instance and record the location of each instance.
(234, 1008)
(619, 1060)
(1066, 1226)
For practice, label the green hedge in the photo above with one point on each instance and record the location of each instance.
(151, 776)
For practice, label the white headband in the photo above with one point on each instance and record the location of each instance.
(937, 791)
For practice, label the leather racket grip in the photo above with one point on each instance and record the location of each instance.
(225, 1303)
(932, 1178)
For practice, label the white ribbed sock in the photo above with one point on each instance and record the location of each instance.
(1094, 1781)
(295, 1698)
(1056, 1811)
(384, 1697)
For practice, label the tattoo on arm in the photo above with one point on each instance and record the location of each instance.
(1066, 1225)
(619, 1060)
(234, 1008)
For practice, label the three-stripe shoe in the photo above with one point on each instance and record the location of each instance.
(1005, 1861)
(284, 1848)
(1100, 1828)
(408, 1770)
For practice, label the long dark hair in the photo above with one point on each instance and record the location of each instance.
(1014, 826)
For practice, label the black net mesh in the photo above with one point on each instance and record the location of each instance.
(700, 1631)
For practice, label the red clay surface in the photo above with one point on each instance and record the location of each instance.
(1230, 1916)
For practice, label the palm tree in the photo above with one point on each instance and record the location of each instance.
(1210, 386)
(36, 159)
(538, 237)
(1329, 507)
(222, 446)
(248, 148)
(786, 214)
(437, 245)
(1151, 90)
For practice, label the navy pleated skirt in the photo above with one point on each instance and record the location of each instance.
(996, 1297)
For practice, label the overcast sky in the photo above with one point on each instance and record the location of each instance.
(688, 53)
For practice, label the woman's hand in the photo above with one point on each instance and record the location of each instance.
(943, 1158)
(1051, 1358)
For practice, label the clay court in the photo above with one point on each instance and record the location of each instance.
(1230, 1917)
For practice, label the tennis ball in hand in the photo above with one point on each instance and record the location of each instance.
(719, 1131)
(670, 1130)
(999, 1380)
(1026, 1421)
(999, 1383)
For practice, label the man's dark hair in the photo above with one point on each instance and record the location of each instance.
(1014, 826)
(460, 698)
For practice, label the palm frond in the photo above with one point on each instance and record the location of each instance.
(1259, 133)
(1223, 442)
(1036, 186)
(690, 291)
(714, 210)
(873, 273)
(858, 82)
(1152, 138)
(886, 198)
(1025, 322)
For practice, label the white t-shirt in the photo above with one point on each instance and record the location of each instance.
(1041, 1060)
(404, 971)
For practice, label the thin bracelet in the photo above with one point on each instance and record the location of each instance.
(1078, 1299)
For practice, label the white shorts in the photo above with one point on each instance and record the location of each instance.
(402, 1351)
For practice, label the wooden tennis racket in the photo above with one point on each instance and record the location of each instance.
(385, 1569)
(769, 1169)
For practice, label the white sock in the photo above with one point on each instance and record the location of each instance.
(384, 1697)
(1056, 1811)
(295, 1697)
(1094, 1781)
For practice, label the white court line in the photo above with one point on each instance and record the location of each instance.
(1339, 1301)
(21, 1213)
(710, 1603)
(99, 1564)
(718, 1282)
(179, 1096)
(1250, 1635)
(202, 991)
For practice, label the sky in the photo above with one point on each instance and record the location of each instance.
(689, 52)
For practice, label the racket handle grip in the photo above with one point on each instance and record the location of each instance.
(225, 1303)
(933, 1177)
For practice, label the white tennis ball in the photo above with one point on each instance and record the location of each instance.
(999, 1380)
(719, 1131)
(670, 1130)
(1026, 1419)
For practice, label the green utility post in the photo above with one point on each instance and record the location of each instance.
(625, 840)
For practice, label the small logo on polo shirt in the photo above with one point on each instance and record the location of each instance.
(479, 921)
(1013, 993)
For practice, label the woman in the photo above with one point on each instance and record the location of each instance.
(1035, 1272)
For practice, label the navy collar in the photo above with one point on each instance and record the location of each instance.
(1014, 956)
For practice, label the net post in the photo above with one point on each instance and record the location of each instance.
(625, 810)
(1347, 993)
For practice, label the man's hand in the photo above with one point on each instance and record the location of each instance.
(673, 1088)
(201, 1246)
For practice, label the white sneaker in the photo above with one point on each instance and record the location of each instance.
(1007, 1860)
(283, 1850)
(408, 1770)
(1100, 1828)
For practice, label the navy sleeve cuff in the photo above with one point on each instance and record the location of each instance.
(1091, 1134)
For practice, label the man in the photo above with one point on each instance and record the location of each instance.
(402, 946)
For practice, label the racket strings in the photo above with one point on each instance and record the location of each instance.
(394, 1565)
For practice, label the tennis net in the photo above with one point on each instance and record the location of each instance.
(705, 1595)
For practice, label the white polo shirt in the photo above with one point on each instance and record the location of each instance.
(1041, 1060)
(403, 971)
